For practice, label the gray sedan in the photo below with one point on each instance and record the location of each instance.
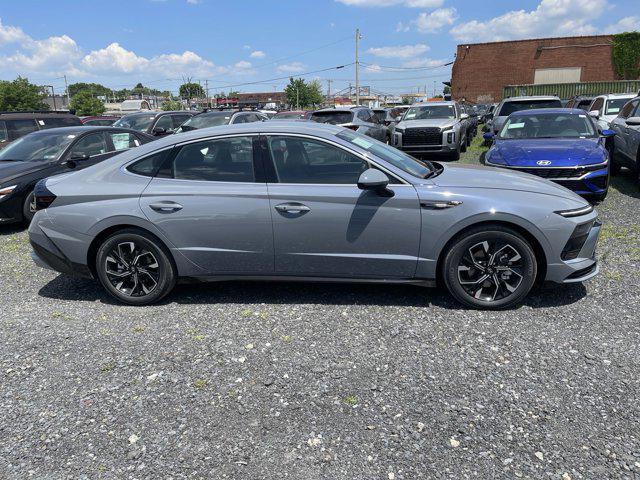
(302, 201)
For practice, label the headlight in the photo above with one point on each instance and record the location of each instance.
(4, 191)
(450, 127)
(494, 158)
(398, 130)
(576, 212)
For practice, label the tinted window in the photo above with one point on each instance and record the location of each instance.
(179, 120)
(47, 122)
(165, 122)
(299, 160)
(597, 104)
(288, 115)
(19, 128)
(92, 144)
(242, 118)
(99, 123)
(380, 115)
(615, 105)
(430, 111)
(628, 109)
(41, 146)
(548, 125)
(364, 115)
(3, 133)
(334, 118)
(205, 120)
(219, 160)
(150, 165)
(509, 107)
(135, 122)
(123, 140)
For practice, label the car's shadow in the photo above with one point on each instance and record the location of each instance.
(11, 229)
(282, 293)
(626, 182)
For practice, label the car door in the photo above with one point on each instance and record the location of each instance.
(211, 202)
(324, 225)
(88, 150)
(623, 131)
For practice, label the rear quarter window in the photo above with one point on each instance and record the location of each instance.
(149, 166)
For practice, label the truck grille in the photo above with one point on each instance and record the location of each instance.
(422, 136)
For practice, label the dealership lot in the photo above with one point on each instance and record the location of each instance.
(241, 380)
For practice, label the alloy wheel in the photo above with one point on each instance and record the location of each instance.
(491, 270)
(132, 269)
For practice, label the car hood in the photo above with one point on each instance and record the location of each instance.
(433, 122)
(476, 176)
(10, 171)
(561, 152)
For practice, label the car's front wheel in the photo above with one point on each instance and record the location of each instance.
(28, 208)
(491, 267)
(134, 267)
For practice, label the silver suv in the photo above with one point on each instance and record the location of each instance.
(514, 104)
(627, 139)
(429, 128)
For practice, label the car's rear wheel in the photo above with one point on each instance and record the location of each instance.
(28, 208)
(490, 267)
(135, 267)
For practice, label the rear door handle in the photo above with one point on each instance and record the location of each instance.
(166, 207)
(292, 208)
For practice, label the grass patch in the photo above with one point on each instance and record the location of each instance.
(351, 400)
(200, 384)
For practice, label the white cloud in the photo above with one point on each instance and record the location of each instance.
(247, 47)
(9, 34)
(242, 65)
(114, 57)
(423, 62)
(391, 3)
(626, 24)
(550, 18)
(401, 51)
(258, 54)
(401, 27)
(373, 67)
(294, 67)
(434, 21)
(193, 2)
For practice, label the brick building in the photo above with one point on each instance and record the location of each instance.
(481, 70)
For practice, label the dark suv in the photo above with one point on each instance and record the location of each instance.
(14, 125)
(157, 124)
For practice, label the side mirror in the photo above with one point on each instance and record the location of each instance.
(159, 131)
(464, 116)
(609, 133)
(633, 121)
(372, 179)
(595, 113)
(488, 136)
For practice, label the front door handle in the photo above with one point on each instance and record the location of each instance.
(166, 207)
(292, 208)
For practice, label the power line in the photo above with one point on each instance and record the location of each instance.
(371, 66)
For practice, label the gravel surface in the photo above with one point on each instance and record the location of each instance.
(304, 381)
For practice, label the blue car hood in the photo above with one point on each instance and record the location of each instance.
(561, 152)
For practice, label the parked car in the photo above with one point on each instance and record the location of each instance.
(605, 108)
(14, 125)
(487, 117)
(358, 119)
(267, 113)
(292, 115)
(580, 101)
(99, 121)
(302, 201)
(216, 118)
(514, 104)
(157, 124)
(432, 128)
(472, 121)
(45, 153)
(627, 137)
(560, 144)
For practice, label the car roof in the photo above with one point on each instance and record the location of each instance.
(339, 109)
(30, 115)
(78, 129)
(619, 95)
(531, 97)
(537, 111)
(444, 102)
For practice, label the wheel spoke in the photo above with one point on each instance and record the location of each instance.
(132, 269)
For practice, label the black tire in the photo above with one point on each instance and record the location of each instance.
(127, 271)
(469, 260)
(455, 156)
(614, 166)
(28, 208)
(463, 145)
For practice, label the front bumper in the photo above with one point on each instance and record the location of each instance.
(581, 268)
(447, 142)
(11, 209)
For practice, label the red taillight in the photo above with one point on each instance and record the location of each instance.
(43, 196)
(352, 127)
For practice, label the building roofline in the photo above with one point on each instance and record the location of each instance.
(607, 36)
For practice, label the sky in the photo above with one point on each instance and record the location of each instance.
(255, 45)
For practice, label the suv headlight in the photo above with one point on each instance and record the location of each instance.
(398, 130)
(4, 191)
(446, 129)
(576, 212)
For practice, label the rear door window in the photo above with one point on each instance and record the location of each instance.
(628, 109)
(20, 128)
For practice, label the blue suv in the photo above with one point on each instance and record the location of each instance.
(561, 144)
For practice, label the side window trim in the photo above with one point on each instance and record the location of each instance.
(272, 176)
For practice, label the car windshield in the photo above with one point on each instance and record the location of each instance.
(615, 105)
(548, 125)
(205, 120)
(509, 107)
(135, 122)
(335, 118)
(430, 111)
(288, 115)
(38, 147)
(395, 157)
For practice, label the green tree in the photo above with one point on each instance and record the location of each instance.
(191, 90)
(302, 94)
(93, 88)
(171, 105)
(21, 95)
(84, 103)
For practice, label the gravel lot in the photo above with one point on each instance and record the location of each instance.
(266, 381)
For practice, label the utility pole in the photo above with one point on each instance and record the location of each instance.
(329, 90)
(297, 97)
(358, 37)
(66, 89)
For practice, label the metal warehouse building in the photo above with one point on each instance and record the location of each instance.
(481, 70)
